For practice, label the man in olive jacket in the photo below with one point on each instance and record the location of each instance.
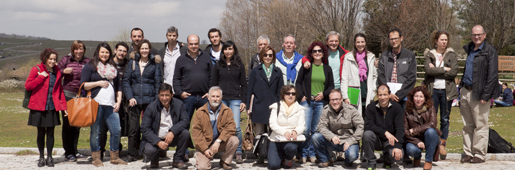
(165, 124)
(213, 131)
(340, 128)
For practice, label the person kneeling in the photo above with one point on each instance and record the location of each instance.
(165, 124)
(213, 131)
(420, 127)
(340, 129)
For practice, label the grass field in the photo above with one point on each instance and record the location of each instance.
(16, 133)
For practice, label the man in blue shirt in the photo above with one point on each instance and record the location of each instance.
(479, 85)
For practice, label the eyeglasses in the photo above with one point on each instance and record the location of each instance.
(290, 93)
(394, 39)
(335, 100)
(268, 55)
(477, 35)
(317, 51)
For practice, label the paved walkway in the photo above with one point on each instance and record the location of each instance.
(11, 161)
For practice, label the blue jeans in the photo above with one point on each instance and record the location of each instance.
(502, 103)
(440, 99)
(193, 102)
(324, 146)
(278, 151)
(431, 140)
(313, 112)
(235, 107)
(112, 120)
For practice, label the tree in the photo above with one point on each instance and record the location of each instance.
(124, 35)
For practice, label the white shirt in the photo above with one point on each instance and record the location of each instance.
(106, 96)
(216, 54)
(439, 83)
(283, 68)
(170, 59)
(166, 123)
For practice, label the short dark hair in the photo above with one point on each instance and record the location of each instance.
(395, 30)
(143, 42)
(121, 44)
(381, 85)
(263, 52)
(336, 91)
(172, 29)
(45, 54)
(287, 88)
(138, 29)
(214, 30)
(165, 87)
(506, 84)
(435, 35)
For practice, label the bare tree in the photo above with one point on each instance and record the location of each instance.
(124, 35)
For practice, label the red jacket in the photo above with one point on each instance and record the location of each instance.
(39, 86)
(342, 57)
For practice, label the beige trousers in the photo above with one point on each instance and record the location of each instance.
(259, 128)
(475, 120)
(229, 147)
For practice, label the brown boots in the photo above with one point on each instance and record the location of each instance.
(96, 159)
(443, 152)
(428, 165)
(115, 159)
(416, 163)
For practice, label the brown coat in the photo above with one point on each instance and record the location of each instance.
(450, 60)
(419, 127)
(202, 132)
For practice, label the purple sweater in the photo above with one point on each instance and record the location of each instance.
(72, 81)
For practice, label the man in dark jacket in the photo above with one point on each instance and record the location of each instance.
(478, 86)
(171, 51)
(165, 124)
(192, 76)
(215, 48)
(384, 129)
(262, 41)
(137, 37)
(397, 65)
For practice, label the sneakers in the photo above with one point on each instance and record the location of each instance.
(387, 165)
(239, 158)
(326, 164)
(71, 158)
(371, 167)
(313, 159)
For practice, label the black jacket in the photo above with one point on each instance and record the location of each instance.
(152, 120)
(192, 76)
(304, 83)
(231, 80)
(208, 51)
(253, 63)
(90, 74)
(485, 78)
(265, 93)
(406, 70)
(393, 122)
(142, 87)
(162, 52)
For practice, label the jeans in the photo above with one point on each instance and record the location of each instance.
(193, 102)
(278, 151)
(431, 141)
(235, 107)
(440, 99)
(324, 146)
(112, 119)
(313, 112)
(502, 103)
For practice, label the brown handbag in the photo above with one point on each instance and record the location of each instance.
(248, 138)
(82, 111)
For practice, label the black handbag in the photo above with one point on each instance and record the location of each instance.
(28, 93)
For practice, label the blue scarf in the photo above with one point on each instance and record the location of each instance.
(291, 72)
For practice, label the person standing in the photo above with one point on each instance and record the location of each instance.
(171, 51)
(46, 100)
(441, 66)
(254, 62)
(478, 86)
(137, 36)
(71, 67)
(141, 82)
(397, 65)
(214, 49)
(288, 60)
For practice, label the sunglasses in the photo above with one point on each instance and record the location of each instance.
(317, 51)
(268, 55)
(290, 93)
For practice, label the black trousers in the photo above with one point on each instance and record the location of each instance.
(70, 134)
(134, 129)
(372, 142)
(180, 140)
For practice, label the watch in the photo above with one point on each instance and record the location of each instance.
(219, 140)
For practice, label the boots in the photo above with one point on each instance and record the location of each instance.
(428, 165)
(443, 152)
(115, 159)
(416, 163)
(96, 159)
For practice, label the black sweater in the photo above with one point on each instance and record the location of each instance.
(90, 74)
(231, 80)
(192, 76)
(392, 122)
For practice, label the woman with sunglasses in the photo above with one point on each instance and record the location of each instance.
(314, 86)
(286, 119)
(441, 66)
(265, 83)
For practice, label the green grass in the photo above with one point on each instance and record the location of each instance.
(16, 133)
(26, 152)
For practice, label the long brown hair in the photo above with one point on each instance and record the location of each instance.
(410, 105)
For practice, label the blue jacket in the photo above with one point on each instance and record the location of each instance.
(142, 87)
(507, 96)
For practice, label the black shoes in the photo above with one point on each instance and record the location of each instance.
(41, 162)
(49, 162)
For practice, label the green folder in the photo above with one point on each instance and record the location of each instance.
(353, 94)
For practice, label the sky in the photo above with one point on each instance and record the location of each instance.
(102, 20)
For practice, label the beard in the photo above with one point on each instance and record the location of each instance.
(214, 103)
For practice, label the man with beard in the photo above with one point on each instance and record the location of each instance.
(215, 48)
(137, 36)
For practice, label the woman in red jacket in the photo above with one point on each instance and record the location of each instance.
(46, 100)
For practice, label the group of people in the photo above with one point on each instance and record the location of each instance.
(326, 97)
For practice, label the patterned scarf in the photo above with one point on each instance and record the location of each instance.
(106, 71)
